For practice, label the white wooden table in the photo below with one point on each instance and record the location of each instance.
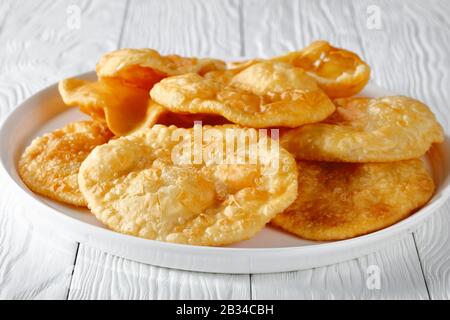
(407, 43)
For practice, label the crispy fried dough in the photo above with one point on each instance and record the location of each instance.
(344, 200)
(339, 72)
(122, 107)
(367, 130)
(135, 186)
(49, 166)
(263, 95)
(145, 67)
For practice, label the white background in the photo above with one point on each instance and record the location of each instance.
(40, 43)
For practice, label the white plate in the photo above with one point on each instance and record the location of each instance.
(270, 251)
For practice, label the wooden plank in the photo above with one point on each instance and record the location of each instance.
(100, 275)
(432, 243)
(293, 25)
(198, 28)
(36, 262)
(398, 268)
(410, 55)
(408, 52)
(40, 45)
(195, 27)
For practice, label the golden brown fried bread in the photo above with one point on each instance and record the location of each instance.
(122, 107)
(145, 67)
(49, 166)
(344, 200)
(339, 72)
(367, 130)
(263, 95)
(137, 186)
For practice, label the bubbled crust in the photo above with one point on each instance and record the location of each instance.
(344, 200)
(145, 67)
(132, 186)
(49, 166)
(339, 72)
(367, 130)
(263, 95)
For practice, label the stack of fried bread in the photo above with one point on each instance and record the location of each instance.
(156, 159)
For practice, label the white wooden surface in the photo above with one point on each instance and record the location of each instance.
(38, 46)
(36, 49)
